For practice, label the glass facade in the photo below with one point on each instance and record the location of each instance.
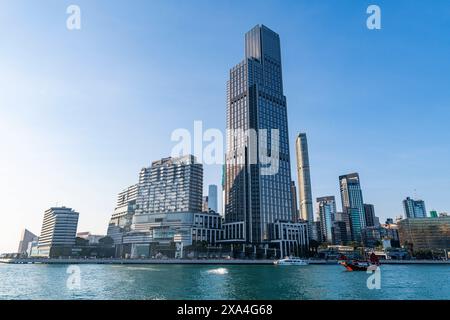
(353, 204)
(327, 212)
(255, 101)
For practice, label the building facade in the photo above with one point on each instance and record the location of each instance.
(425, 233)
(58, 233)
(369, 213)
(414, 208)
(171, 185)
(353, 204)
(25, 239)
(212, 198)
(326, 209)
(258, 177)
(304, 179)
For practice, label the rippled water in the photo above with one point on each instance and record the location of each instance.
(222, 282)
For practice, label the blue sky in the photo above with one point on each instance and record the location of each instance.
(82, 111)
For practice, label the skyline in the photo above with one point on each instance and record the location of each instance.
(86, 150)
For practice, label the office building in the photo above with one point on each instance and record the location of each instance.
(326, 209)
(25, 239)
(205, 206)
(353, 204)
(212, 198)
(257, 192)
(339, 232)
(58, 233)
(433, 214)
(304, 178)
(414, 208)
(369, 213)
(122, 218)
(295, 212)
(425, 233)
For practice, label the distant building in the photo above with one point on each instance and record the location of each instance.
(434, 214)
(345, 217)
(91, 238)
(58, 233)
(339, 231)
(369, 213)
(295, 212)
(212, 198)
(316, 232)
(25, 239)
(414, 208)
(304, 179)
(326, 209)
(122, 217)
(425, 233)
(353, 203)
(389, 221)
(205, 204)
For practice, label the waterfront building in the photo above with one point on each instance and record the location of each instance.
(316, 232)
(339, 233)
(212, 198)
(425, 233)
(25, 239)
(92, 239)
(414, 208)
(369, 213)
(304, 178)
(433, 214)
(326, 209)
(353, 204)
(58, 233)
(122, 218)
(345, 217)
(257, 193)
(171, 185)
(169, 209)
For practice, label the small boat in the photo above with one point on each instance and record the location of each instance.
(291, 262)
(358, 265)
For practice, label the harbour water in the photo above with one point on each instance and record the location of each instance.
(198, 282)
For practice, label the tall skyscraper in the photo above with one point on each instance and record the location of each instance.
(59, 230)
(256, 198)
(171, 185)
(414, 208)
(304, 178)
(326, 209)
(25, 239)
(353, 203)
(295, 212)
(212, 198)
(369, 213)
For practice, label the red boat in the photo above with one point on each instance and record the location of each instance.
(357, 265)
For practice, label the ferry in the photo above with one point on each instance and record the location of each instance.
(357, 265)
(291, 262)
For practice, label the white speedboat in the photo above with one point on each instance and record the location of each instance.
(291, 262)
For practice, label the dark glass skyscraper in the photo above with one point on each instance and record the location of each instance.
(353, 204)
(255, 101)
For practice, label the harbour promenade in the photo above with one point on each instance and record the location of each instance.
(195, 262)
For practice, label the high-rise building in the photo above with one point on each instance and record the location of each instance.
(339, 231)
(58, 233)
(212, 198)
(353, 203)
(295, 212)
(345, 218)
(369, 213)
(171, 185)
(433, 214)
(304, 178)
(122, 217)
(414, 208)
(25, 239)
(257, 191)
(326, 209)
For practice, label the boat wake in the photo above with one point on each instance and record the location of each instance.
(219, 271)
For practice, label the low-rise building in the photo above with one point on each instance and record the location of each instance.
(425, 233)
